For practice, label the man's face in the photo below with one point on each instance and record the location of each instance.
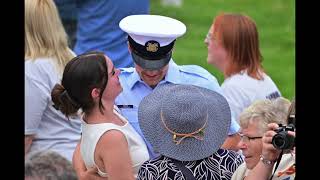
(251, 144)
(152, 77)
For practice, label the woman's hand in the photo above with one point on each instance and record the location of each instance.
(269, 152)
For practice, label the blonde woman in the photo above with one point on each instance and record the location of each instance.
(254, 122)
(46, 54)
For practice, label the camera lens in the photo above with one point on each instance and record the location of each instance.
(278, 141)
(283, 140)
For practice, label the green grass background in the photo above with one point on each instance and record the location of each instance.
(275, 20)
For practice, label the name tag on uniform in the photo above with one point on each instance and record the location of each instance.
(121, 106)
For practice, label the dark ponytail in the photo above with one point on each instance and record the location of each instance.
(63, 102)
(81, 75)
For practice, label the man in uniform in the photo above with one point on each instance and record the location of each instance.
(151, 40)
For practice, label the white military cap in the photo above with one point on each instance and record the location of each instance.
(152, 38)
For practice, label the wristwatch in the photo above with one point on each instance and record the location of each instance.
(265, 161)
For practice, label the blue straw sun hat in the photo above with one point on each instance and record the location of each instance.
(184, 122)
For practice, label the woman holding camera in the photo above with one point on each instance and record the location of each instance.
(256, 139)
(275, 140)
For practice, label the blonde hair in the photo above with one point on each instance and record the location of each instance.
(44, 33)
(264, 112)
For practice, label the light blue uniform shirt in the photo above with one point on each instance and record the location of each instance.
(134, 90)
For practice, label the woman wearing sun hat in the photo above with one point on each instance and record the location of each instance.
(187, 125)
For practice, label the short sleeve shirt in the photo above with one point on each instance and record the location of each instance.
(242, 90)
(134, 90)
(51, 128)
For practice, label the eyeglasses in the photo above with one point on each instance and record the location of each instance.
(247, 139)
(208, 37)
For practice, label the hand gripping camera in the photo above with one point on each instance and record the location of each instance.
(282, 140)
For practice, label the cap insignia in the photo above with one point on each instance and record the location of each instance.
(152, 46)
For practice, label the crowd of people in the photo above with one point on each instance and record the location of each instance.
(95, 113)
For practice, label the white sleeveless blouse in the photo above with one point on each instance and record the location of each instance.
(91, 133)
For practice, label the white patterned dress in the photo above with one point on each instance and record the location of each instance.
(219, 166)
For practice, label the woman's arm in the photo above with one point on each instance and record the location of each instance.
(27, 143)
(82, 172)
(35, 104)
(113, 150)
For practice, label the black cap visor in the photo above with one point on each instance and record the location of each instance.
(151, 64)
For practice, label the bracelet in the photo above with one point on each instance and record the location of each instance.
(265, 161)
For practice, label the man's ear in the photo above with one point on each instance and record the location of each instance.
(95, 93)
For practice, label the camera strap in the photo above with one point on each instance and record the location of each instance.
(277, 164)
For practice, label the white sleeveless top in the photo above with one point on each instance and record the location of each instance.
(91, 133)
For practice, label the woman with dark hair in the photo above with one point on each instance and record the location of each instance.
(90, 82)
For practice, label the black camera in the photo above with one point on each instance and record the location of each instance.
(282, 140)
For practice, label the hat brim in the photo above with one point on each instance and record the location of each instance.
(190, 149)
(151, 64)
